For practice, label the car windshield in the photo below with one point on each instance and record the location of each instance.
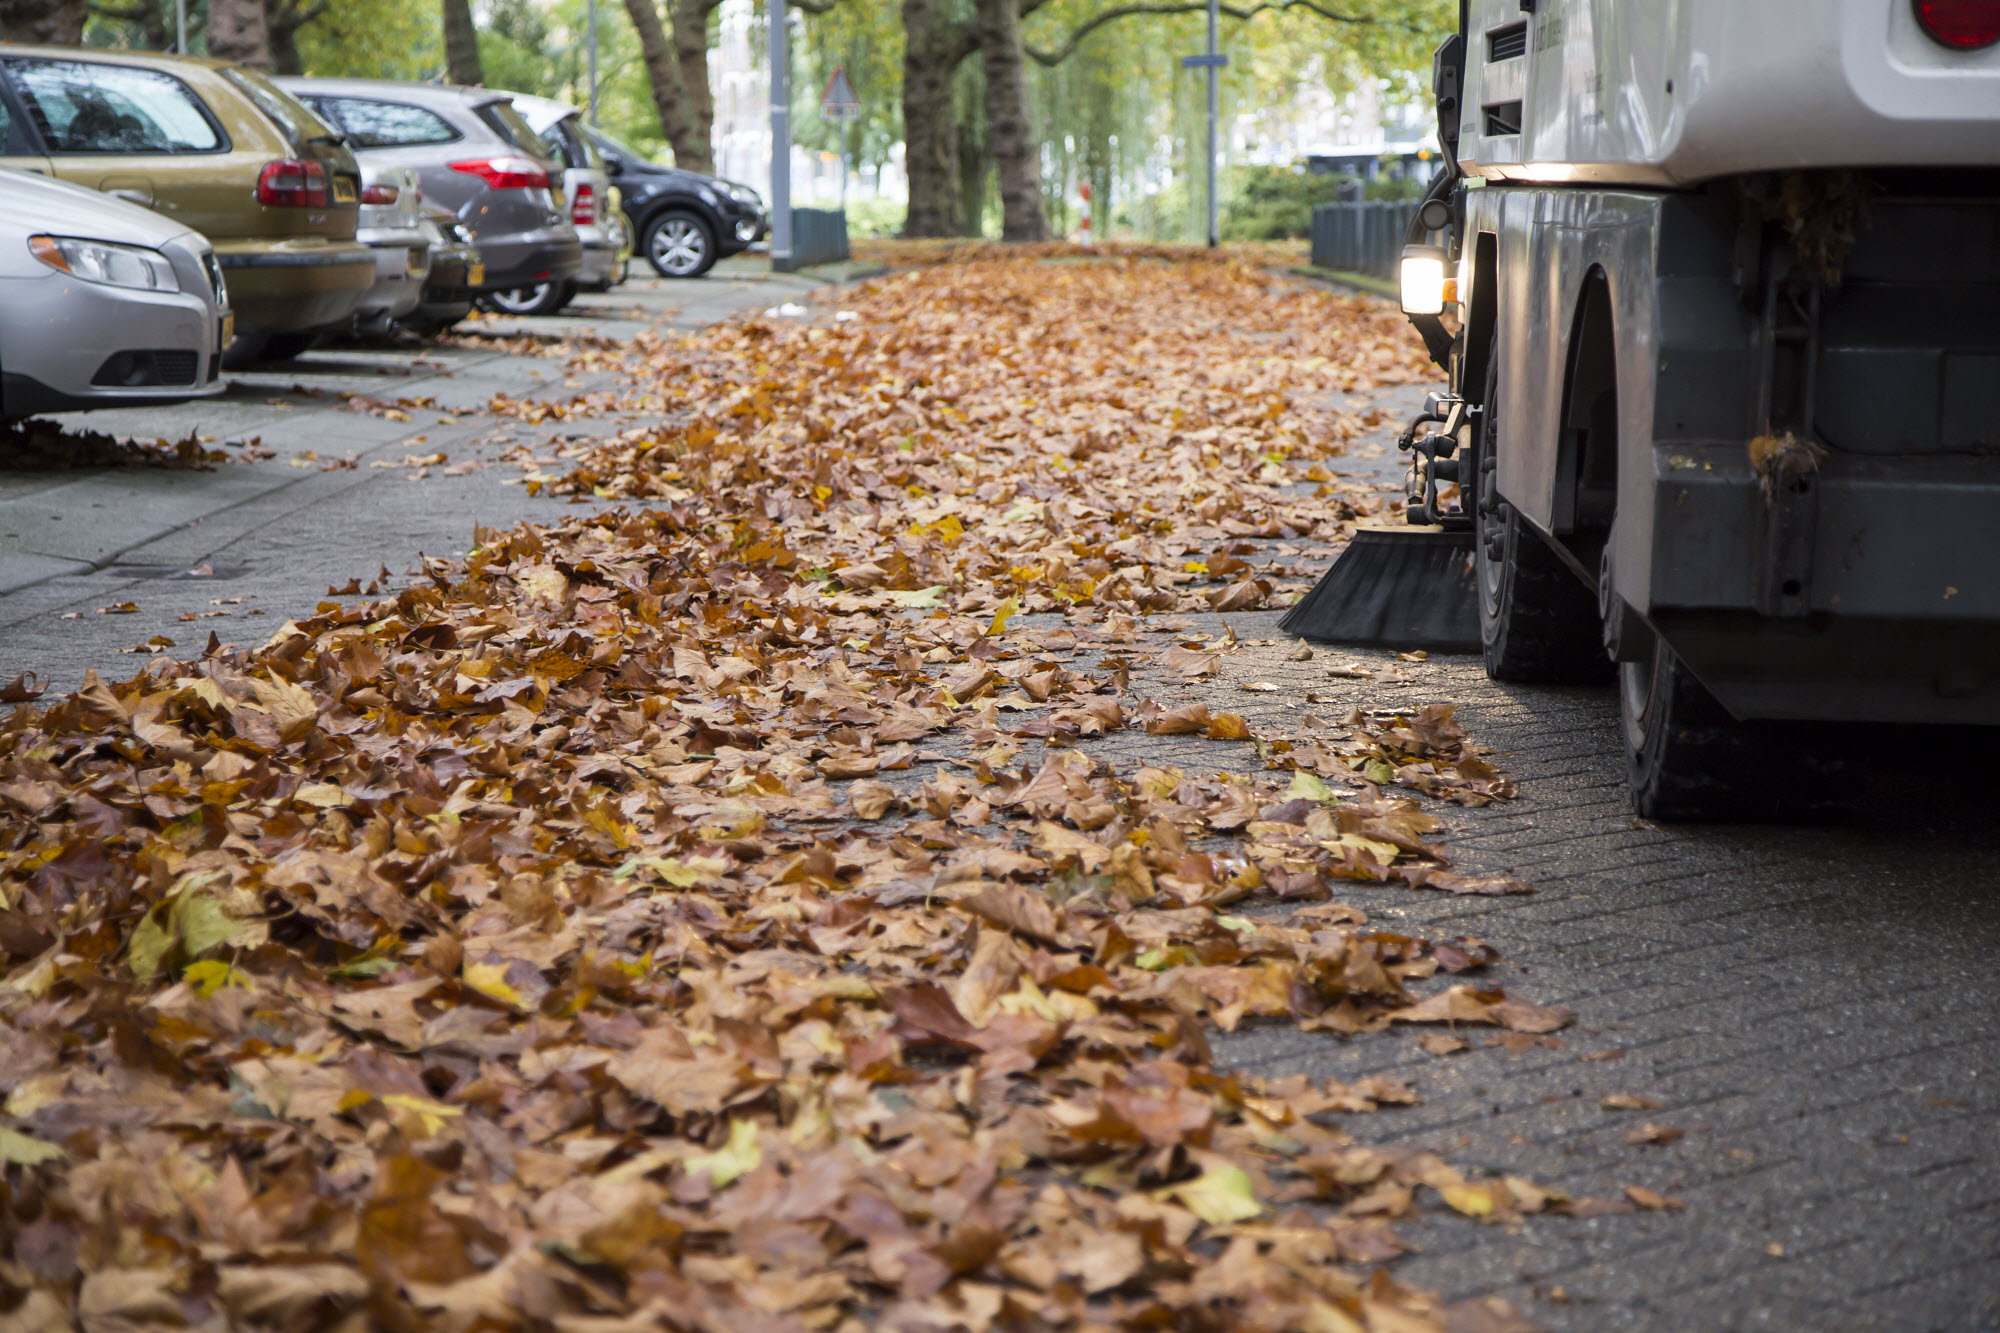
(614, 147)
(300, 125)
(82, 107)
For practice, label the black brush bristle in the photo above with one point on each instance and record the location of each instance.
(1395, 588)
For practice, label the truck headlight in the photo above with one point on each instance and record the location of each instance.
(103, 261)
(1423, 271)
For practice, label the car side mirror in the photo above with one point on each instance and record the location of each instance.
(613, 167)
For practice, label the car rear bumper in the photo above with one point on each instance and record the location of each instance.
(295, 286)
(67, 345)
(523, 262)
(402, 264)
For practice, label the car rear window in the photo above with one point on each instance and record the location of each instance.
(373, 124)
(508, 124)
(299, 124)
(82, 107)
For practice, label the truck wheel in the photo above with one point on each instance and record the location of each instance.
(1686, 758)
(1539, 623)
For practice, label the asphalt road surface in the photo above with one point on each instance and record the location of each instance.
(1815, 1009)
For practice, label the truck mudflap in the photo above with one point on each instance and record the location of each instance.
(1831, 586)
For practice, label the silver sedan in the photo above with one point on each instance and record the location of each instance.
(102, 303)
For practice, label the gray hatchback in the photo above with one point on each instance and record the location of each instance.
(474, 155)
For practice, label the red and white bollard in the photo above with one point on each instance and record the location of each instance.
(1084, 191)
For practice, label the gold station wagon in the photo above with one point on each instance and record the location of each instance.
(217, 148)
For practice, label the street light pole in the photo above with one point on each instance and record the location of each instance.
(591, 25)
(180, 27)
(781, 143)
(1214, 235)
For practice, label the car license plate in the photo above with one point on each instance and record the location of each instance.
(228, 329)
(476, 276)
(343, 190)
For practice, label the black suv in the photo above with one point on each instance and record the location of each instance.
(682, 222)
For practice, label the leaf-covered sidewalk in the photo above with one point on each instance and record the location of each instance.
(712, 914)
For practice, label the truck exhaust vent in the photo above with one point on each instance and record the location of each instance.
(1503, 118)
(1508, 43)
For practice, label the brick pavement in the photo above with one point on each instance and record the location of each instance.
(1817, 1007)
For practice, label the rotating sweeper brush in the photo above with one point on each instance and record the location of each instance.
(1407, 587)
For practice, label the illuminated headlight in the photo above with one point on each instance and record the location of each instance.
(102, 261)
(746, 231)
(743, 194)
(1423, 279)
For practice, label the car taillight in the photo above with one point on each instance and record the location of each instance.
(1963, 25)
(380, 194)
(583, 212)
(506, 173)
(292, 184)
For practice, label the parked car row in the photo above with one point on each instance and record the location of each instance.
(163, 219)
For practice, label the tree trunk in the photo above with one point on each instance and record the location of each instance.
(285, 18)
(695, 150)
(47, 21)
(238, 31)
(933, 48)
(461, 45)
(1014, 146)
(662, 73)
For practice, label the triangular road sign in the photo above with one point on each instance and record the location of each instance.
(838, 102)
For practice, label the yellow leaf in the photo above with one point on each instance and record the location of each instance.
(434, 1115)
(738, 1157)
(325, 795)
(1218, 1196)
(25, 1151)
(1006, 611)
(921, 599)
(1472, 1200)
(211, 975)
(1306, 787)
(490, 980)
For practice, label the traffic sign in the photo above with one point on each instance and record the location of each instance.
(838, 102)
(1204, 62)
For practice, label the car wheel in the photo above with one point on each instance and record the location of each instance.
(544, 298)
(679, 245)
(567, 295)
(1538, 622)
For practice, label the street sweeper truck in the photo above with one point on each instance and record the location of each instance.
(1716, 288)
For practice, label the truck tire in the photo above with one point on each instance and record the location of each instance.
(1538, 622)
(1686, 757)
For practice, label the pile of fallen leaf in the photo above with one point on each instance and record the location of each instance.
(715, 916)
(39, 445)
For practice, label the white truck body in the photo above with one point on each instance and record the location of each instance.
(1675, 92)
(1725, 386)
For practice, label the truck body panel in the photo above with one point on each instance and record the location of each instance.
(1676, 92)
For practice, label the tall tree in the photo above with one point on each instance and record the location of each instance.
(677, 66)
(285, 18)
(936, 42)
(461, 44)
(1015, 147)
(239, 30)
(690, 20)
(58, 21)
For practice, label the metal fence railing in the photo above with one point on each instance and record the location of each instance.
(819, 236)
(1362, 238)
